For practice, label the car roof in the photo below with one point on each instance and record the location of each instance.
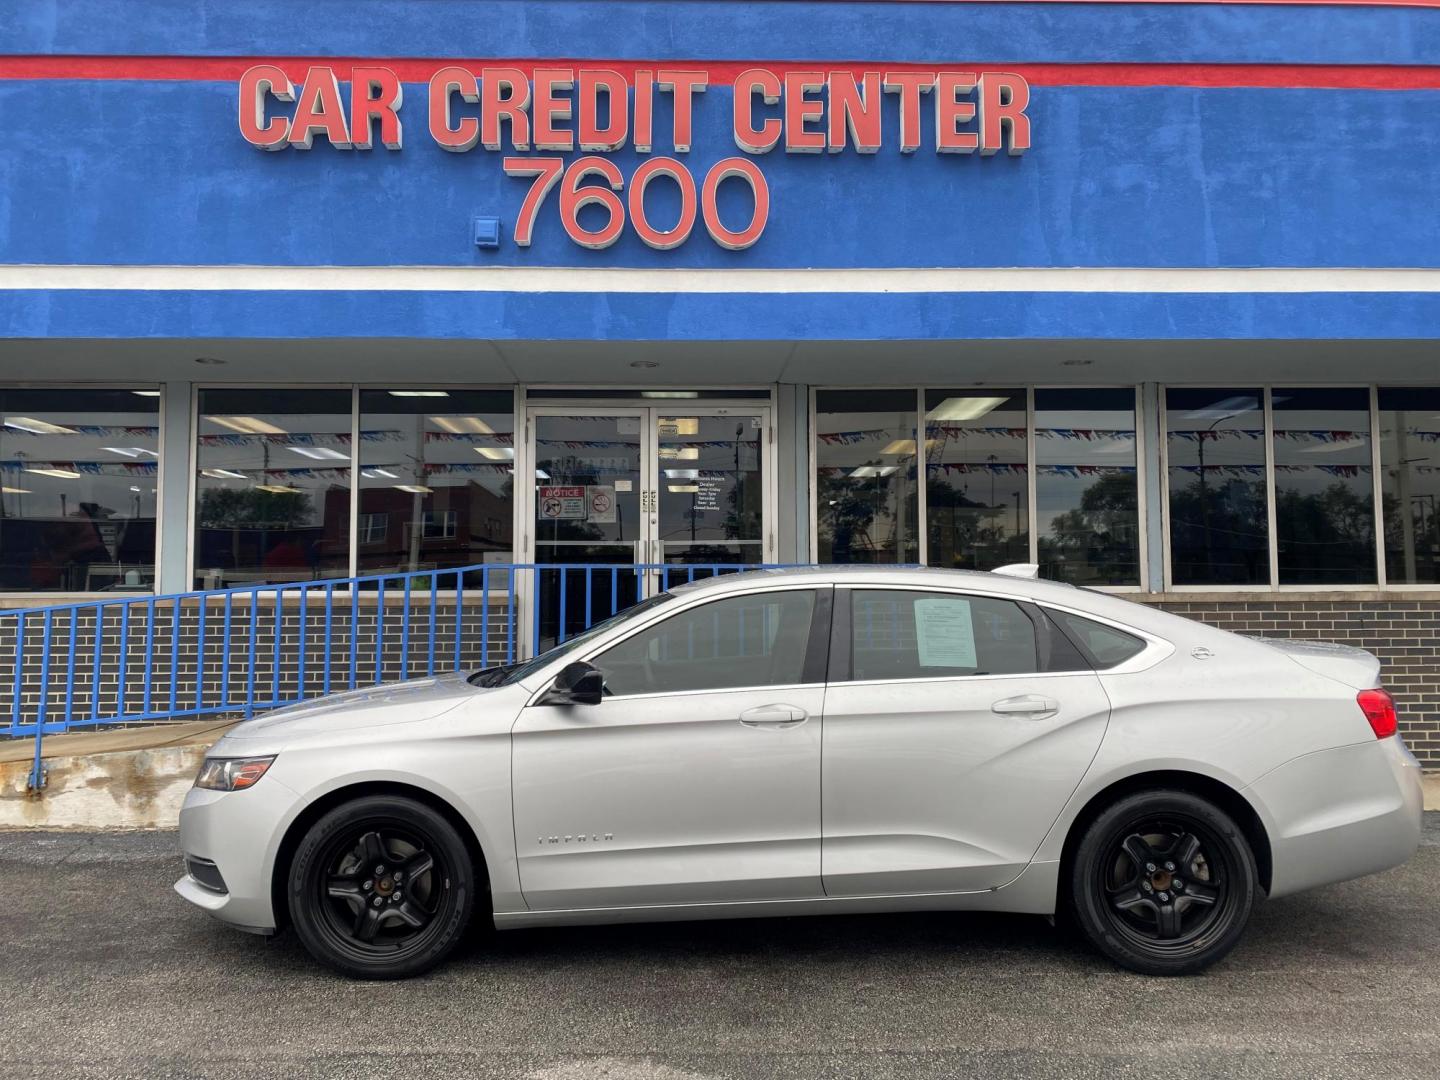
(1060, 594)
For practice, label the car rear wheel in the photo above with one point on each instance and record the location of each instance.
(381, 888)
(1163, 883)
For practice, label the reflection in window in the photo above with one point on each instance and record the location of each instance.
(866, 496)
(1324, 502)
(272, 494)
(757, 640)
(438, 466)
(1086, 491)
(1410, 483)
(78, 481)
(916, 635)
(1215, 443)
(976, 490)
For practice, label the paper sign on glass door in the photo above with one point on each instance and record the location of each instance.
(944, 633)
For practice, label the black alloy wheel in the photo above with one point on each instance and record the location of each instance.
(1163, 883)
(381, 888)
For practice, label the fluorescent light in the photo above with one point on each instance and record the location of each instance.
(146, 393)
(37, 427)
(462, 425)
(223, 474)
(63, 474)
(319, 453)
(680, 453)
(134, 488)
(682, 474)
(375, 474)
(277, 489)
(670, 393)
(541, 474)
(1336, 447)
(414, 489)
(683, 489)
(964, 408)
(130, 451)
(14, 491)
(866, 471)
(496, 453)
(900, 446)
(419, 393)
(1225, 408)
(247, 425)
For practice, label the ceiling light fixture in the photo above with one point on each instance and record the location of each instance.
(964, 408)
(419, 393)
(63, 474)
(247, 425)
(37, 427)
(318, 453)
(223, 474)
(462, 425)
(496, 453)
(277, 489)
(377, 473)
(146, 393)
(130, 451)
(414, 489)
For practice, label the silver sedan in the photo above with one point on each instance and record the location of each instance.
(820, 741)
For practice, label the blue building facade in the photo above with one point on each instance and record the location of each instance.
(1147, 293)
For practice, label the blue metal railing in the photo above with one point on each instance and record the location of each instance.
(242, 650)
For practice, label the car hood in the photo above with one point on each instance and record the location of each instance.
(1344, 663)
(374, 706)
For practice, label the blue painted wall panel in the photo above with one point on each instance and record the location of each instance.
(717, 316)
(725, 29)
(157, 173)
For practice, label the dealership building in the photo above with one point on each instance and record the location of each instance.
(1145, 293)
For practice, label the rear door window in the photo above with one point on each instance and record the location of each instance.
(1104, 645)
(904, 634)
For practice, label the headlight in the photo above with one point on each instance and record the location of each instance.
(232, 774)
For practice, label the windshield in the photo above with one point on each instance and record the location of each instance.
(505, 674)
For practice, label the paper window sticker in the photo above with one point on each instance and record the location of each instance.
(945, 633)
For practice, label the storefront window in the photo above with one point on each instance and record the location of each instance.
(1086, 491)
(78, 482)
(975, 474)
(866, 492)
(437, 479)
(1324, 502)
(272, 494)
(1215, 444)
(1410, 483)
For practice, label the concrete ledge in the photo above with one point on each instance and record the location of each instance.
(132, 778)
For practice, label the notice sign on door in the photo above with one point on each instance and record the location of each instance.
(562, 504)
(600, 504)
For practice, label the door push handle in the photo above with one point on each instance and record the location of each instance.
(1030, 706)
(773, 716)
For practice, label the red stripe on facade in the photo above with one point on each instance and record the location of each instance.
(229, 68)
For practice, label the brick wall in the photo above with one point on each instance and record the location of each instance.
(1404, 634)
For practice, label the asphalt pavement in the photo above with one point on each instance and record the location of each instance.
(109, 974)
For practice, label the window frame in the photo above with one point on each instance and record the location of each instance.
(1142, 453)
(1275, 586)
(817, 649)
(31, 597)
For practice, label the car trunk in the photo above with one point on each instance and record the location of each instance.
(1344, 663)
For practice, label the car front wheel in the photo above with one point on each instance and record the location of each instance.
(381, 888)
(1163, 883)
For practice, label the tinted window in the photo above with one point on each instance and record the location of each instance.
(917, 635)
(757, 640)
(1106, 644)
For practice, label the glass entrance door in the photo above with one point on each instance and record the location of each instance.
(629, 500)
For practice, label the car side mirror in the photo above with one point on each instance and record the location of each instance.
(578, 683)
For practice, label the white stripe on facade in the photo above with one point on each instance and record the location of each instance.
(684, 280)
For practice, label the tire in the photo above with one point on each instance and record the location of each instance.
(1163, 883)
(369, 850)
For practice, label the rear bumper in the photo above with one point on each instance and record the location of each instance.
(1340, 814)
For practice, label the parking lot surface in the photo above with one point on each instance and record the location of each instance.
(109, 974)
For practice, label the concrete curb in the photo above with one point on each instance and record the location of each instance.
(107, 788)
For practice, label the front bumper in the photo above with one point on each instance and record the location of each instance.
(1340, 814)
(239, 832)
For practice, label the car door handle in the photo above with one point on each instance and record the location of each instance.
(1030, 706)
(773, 716)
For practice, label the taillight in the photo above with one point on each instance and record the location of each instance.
(1379, 708)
